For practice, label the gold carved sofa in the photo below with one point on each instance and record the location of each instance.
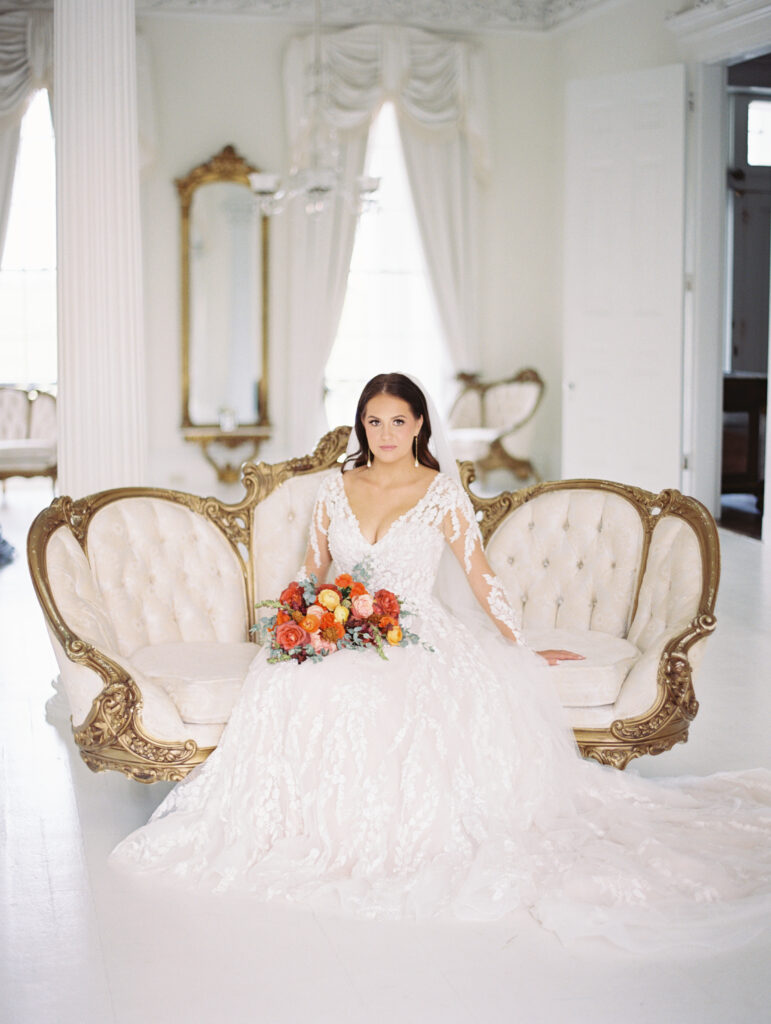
(149, 595)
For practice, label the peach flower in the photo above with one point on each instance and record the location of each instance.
(320, 645)
(362, 606)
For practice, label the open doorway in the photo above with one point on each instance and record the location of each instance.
(745, 366)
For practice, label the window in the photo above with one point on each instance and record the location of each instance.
(28, 271)
(759, 133)
(389, 320)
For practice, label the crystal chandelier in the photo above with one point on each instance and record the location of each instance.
(321, 181)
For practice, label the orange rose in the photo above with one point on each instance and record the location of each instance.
(387, 622)
(330, 628)
(357, 589)
(343, 580)
(281, 616)
(394, 635)
(309, 623)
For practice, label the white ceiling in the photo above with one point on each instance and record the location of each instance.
(447, 15)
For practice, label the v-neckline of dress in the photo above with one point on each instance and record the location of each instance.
(410, 510)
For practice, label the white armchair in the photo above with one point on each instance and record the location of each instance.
(149, 596)
(27, 433)
(492, 423)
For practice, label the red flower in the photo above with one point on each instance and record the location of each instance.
(293, 596)
(386, 603)
(343, 580)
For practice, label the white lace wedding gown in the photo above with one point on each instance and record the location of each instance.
(446, 781)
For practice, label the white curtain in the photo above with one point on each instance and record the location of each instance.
(26, 64)
(435, 85)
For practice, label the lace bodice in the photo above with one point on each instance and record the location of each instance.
(406, 558)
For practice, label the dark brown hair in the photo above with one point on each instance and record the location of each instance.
(400, 386)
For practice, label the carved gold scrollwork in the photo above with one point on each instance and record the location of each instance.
(235, 525)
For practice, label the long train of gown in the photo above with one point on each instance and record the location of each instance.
(446, 781)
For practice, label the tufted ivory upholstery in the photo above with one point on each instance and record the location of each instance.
(165, 575)
(14, 414)
(570, 559)
(280, 533)
(671, 587)
(149, 598)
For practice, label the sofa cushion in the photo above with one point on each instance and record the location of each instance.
(27, 454)
(202, 678)
(595, 681)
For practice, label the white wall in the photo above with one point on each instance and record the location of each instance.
(218, 80)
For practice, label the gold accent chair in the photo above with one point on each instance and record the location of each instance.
(492, 422)
(149, 595)
(27, 433)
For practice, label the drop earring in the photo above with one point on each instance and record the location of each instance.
(416, 452)
(369, 458)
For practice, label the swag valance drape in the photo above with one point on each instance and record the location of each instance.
(26, 65)
(436, 85)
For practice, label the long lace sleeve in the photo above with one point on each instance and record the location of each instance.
(462, 534)
(317, 556)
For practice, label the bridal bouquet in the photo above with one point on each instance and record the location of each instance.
(314, 619)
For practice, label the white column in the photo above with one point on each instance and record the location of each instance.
(102, 421)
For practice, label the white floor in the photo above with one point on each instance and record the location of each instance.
(80, 945)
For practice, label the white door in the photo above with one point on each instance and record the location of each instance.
(624, 244)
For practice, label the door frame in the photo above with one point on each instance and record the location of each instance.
(707, 277)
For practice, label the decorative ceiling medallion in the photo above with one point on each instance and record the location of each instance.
(446, 15)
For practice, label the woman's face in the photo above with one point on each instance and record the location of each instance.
(391, 427)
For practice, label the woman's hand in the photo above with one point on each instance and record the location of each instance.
(554, 657)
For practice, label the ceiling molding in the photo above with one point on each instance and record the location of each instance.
(438, 15)
(714, 31)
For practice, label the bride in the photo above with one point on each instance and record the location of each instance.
(445, 780)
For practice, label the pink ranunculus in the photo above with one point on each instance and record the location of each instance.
(317, 610)
(320, 645)
(290, 635)
(362, 606)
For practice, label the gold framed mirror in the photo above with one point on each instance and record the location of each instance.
(225, 315)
